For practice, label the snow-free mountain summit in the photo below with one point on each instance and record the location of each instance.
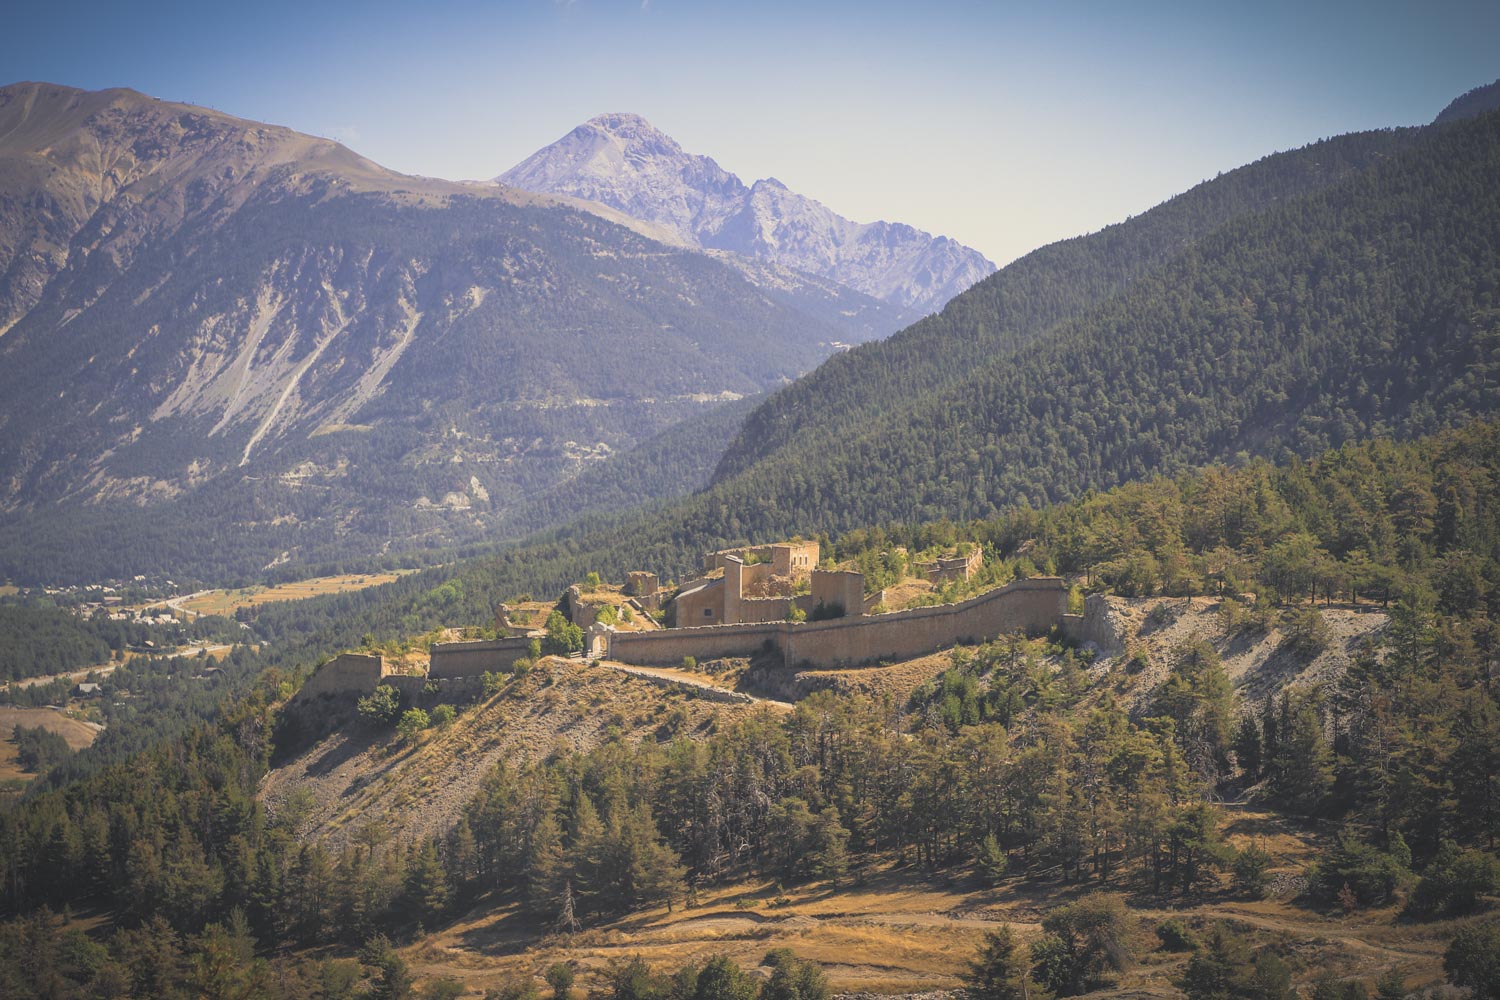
(625, 163)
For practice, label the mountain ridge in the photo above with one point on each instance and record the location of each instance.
(620, 160)
(192, 301)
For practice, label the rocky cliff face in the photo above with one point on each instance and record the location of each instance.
(621, 161)
(193, 302)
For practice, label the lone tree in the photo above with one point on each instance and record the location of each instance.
(1083, 943)
(1001, 971)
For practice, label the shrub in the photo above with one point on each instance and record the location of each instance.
(491, 682)
(722, 979)
(793, 978)
(689, 663)
(442, 716)
(412, 723)
(446, 988)
(1176, 935)
(992, 861)
(560, 978)
(1370, 875)
(1306, 631)
(562, 635)
(514, 988)
(380, 706)
(1000, 971)
(1083, 942)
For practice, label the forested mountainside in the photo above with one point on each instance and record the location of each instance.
(199, 305)
(1021, 302)
(1023, 769)
(625, 163)
(1367, 307)
(1468, 105)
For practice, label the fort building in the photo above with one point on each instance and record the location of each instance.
(962, 567)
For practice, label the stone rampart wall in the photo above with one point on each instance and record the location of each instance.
(1034, 606)
(346, 672)
(470, 659)
(1094, 627)
(667, 647)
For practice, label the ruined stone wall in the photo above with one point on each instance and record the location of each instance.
(1033, 606)
(765, 609)
(346, 672)
(689, 606)
(579, 612)
(842, 588)
(667, 647)
(639, 583)
(734, 589)
(794, 559)
(1096, 627)
(470, 659)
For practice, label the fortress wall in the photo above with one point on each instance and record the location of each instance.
(1094, 626)
(411, 686)
(667, 647)
(470, 659)
(1033, 606)
(842, 588)
(755, 610)
(360, 672)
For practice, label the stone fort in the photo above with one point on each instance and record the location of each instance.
(744, 612)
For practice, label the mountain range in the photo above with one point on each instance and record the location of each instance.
(195, 305)
(622, 161)
(207, 350)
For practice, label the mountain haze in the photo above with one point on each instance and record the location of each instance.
(622, 161)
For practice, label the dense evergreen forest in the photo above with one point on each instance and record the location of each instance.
(1009, 766)
(1019, 304)
(38, 638)
(1366, 307)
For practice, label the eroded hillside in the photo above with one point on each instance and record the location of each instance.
(360, 778)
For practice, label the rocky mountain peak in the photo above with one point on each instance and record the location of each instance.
(622, 161)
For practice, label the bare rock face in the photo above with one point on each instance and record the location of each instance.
(621, 161)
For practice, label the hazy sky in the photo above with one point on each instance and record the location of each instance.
(1005, 126)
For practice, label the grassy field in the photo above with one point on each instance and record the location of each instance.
(78, 735)
(227, 602)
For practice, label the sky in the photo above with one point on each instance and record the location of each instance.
(1005, 126)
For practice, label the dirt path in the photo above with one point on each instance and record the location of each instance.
(670, 677)
(103, 670)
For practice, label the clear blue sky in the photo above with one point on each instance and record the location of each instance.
(1004, 126)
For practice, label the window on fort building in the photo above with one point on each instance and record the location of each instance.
(708, 612)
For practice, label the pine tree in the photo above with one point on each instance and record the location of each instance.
(1001, 971)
